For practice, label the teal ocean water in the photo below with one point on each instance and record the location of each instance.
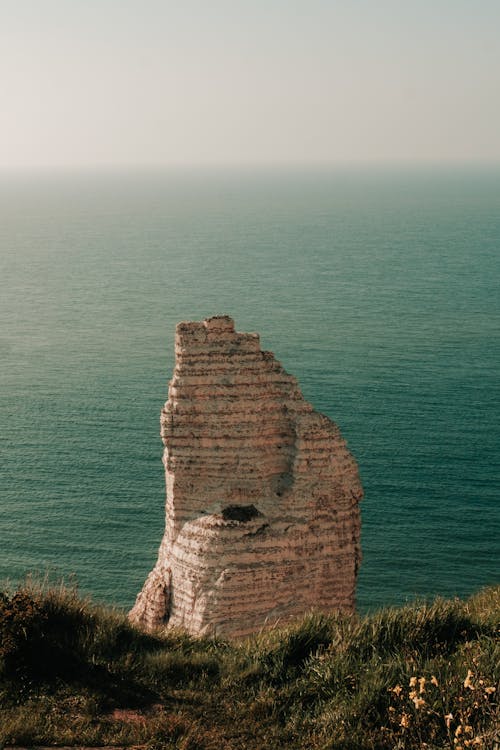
(378, 289)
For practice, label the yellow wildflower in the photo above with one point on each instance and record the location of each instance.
(413, 681)
(468, 729)
(397, 689)
(421, 685)
(468, 681)
(489, 690)
(458, 731)
(434, 680)
(412, 694)
(448, 719)
(419, 702)
(405, 721)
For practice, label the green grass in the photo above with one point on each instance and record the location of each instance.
(75, 673)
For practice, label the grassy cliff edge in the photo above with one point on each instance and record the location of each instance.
(421, 676)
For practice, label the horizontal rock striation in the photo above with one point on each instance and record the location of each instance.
(262, 518)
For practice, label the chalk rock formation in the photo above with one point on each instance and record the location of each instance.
(262, 520)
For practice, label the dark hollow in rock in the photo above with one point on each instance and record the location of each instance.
(241, 513)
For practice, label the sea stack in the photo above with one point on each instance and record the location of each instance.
(262, 516)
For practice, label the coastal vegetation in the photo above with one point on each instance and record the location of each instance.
(421, 676)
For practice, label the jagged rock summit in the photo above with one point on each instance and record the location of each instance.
(262, 518)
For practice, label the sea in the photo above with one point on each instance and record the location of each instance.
(377, 287)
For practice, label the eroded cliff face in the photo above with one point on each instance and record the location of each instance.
(262, 519)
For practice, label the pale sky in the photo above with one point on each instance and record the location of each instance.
(91, 83)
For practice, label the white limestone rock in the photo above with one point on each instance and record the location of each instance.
(262, 517)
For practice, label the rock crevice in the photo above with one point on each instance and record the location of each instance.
(262, 518)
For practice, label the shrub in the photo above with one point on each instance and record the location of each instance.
(22, 623)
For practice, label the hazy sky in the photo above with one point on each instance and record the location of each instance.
(157, 82)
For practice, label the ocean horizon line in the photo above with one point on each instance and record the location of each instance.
(372, 166)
